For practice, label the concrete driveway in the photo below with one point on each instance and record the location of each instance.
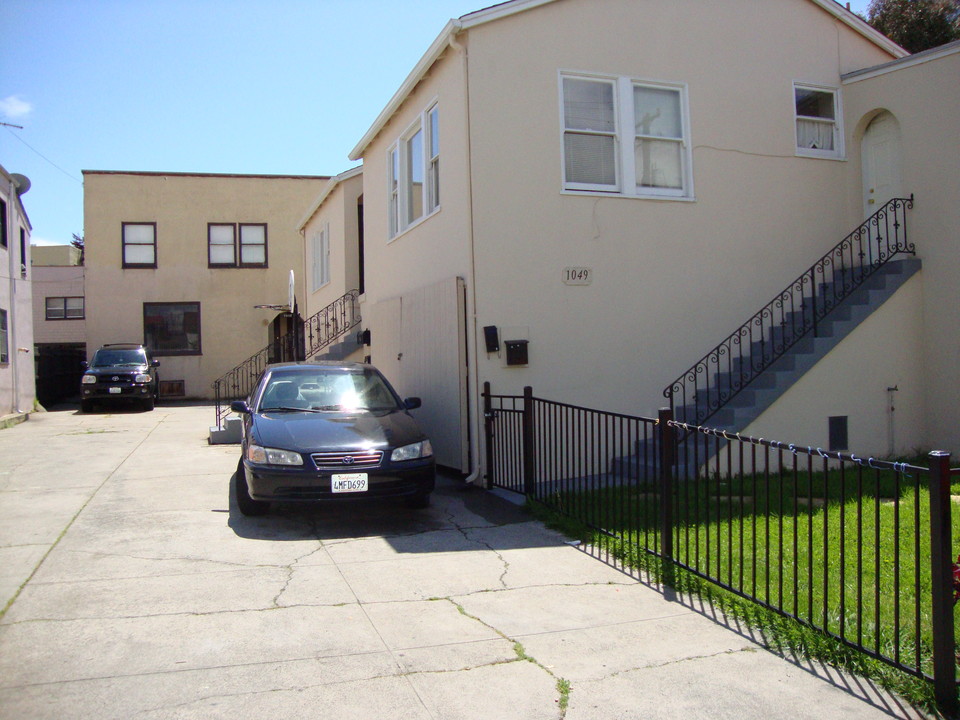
(134, 589)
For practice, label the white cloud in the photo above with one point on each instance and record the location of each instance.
(14, 107)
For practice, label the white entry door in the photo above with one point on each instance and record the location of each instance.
(880, 151)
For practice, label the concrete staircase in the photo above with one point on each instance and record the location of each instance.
(750, 402)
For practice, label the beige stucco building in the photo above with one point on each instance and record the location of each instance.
(179, 261)
(608, 195)
(16, 298)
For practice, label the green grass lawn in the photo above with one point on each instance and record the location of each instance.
(835, 550)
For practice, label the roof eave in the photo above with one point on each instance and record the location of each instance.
(857, 23)
(450, 31)
(325, 193)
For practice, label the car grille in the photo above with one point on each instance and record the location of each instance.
(342, 460)
(121, 378)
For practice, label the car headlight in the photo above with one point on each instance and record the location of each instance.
(272, 456)
(89, 379)
(142, 379)
(412, 452)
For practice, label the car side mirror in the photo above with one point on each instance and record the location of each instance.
(84, 365)
(154, 363)
(412, 403)
(240, 406)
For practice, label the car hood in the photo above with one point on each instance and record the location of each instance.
(309, 432)
(118, 369)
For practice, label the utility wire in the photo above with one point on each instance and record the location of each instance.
(7, 128)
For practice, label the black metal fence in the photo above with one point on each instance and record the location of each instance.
(857, 548)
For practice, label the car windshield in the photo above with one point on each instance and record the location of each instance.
(114, 358)
(327, 390)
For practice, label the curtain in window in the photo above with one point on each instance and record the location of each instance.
(253, 245)
(221, 245)
(138, 245)
(814, 134)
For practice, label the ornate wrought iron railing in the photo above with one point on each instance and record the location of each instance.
(792, 314)
(335, 320)
(319, 331)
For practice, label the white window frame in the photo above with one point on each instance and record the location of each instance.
(838, 151)
(625, 138)
(320, 262)
(400, 168)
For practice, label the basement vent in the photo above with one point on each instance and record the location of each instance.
(172, 388)
(838, 433)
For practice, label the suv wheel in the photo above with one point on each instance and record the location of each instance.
(86, 406)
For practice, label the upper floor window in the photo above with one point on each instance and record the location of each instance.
(23, 253)
(817, 112)
(413, 175)
(224, 250)
(4, 350)
(64, 308)
(3, 223)
(139, 245)
(320, 258)
(625, 136)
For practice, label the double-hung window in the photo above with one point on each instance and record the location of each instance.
(64, 308)
(237, 245)
(817, 114)
(625, 136)
(320, 260)
(139, 245)
(4, 349)
(413, 174)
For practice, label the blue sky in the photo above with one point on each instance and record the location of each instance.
(226, 86)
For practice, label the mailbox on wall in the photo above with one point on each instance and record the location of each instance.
(517, 352)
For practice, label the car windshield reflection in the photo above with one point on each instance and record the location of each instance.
(327, 390)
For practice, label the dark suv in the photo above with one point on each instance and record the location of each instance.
(122, 371)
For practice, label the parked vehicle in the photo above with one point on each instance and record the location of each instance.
(120, 371)
(321, 431)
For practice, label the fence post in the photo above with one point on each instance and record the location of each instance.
(488, 434)
(529, 486)
(941, 560)
(668, 440)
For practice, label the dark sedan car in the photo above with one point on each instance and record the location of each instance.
(330, 431)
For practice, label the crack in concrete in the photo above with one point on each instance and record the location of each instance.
(562, 685)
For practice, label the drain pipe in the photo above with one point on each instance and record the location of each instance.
(891, 444)
(473, 387)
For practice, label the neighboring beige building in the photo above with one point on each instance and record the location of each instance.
(605, 196)
(59, 321)
(179, 261)
(58, 295)
(16, 311)
(333, 271)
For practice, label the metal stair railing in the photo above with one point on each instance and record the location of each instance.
(331, 323)
(791, 315)
(321, 329)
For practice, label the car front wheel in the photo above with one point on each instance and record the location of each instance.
(246, 504)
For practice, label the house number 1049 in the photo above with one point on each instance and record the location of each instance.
(577, 276)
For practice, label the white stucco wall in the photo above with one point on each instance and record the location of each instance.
(923, 94)
(17, 374)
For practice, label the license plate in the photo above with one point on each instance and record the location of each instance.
(348, 482)
(116, 390)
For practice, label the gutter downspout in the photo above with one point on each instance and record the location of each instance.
(473, 384)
